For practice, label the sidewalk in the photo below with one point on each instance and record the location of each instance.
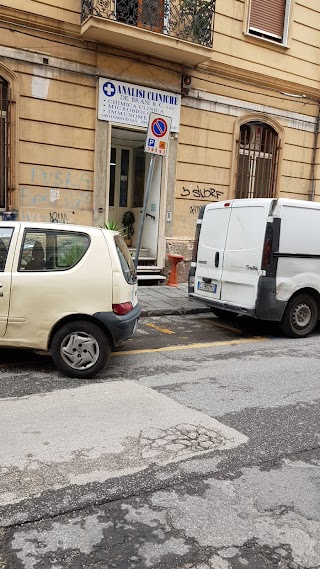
(165, 300)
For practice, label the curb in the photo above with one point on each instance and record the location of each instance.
(173, 311)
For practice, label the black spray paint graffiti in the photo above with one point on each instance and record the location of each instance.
(195, 209)
(57, 217)
(204, 193)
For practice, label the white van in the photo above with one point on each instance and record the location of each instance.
(69, 289)
(261, 258)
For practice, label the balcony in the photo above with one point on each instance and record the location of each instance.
(174, 30)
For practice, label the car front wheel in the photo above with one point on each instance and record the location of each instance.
(80, 349)
(300, 317)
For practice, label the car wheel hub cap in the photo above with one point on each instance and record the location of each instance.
(80, 350)
(301, 316)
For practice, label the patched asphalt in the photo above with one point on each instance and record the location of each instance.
(255, 504)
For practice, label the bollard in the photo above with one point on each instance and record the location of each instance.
(173, 277)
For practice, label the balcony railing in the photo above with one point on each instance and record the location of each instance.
(189, 20)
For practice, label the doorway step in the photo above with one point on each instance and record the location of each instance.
(148, 272)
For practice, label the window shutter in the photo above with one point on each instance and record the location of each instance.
(268, 16)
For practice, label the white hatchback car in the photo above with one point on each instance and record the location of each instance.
(69, 289)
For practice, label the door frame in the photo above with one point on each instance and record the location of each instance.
(166, 161)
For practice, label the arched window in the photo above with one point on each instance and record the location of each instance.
(4, 141)
(258, 153)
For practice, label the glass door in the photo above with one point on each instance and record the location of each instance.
(120, 189)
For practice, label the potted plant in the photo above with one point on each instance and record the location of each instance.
(127, 222)
(112, 225)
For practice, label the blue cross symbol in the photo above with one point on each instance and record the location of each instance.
(109, 89)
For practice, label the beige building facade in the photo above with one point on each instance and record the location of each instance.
(78, 79)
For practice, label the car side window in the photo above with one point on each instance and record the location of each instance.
(33, 257)
(52, 250)
(5, 238)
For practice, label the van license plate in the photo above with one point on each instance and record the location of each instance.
(208, 287)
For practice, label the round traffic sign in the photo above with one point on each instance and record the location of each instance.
(159, 127)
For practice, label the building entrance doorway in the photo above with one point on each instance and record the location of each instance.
(128, 175)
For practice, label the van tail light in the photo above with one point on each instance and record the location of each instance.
(122, 308)
(267, 249)
(196, 244)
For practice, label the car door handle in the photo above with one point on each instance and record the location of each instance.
(216, 259)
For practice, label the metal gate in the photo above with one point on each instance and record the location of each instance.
(258, 156)
(5, 144)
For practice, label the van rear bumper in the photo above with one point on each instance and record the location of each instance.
(267, 307)
(121, 328)
(223, 305)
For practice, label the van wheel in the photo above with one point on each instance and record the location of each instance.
(300, 316)
(223, 314)
(80, 349)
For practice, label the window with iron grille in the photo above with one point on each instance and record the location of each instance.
(4, 141)
(144, 14)
(258, 152)
(268, 19)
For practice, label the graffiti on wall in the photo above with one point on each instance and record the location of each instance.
(46, 197)
(60, 178)
(70, 196)
(200, 193)
(46, 217)
(195, 209)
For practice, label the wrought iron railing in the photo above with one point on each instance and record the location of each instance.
(189, 20)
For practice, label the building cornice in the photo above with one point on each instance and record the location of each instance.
(260, 80)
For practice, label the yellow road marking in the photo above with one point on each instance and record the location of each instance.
(164, 330)
(164, 349)
(190, 346)
(224, 326)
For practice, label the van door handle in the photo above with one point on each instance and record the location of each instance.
(216, 260)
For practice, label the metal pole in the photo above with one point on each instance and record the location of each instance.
(145, 203)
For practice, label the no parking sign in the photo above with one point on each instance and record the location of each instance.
(158, 134)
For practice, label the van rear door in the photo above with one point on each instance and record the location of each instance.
(243, 251)
(212, 242)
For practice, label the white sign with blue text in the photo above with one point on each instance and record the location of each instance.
(130, 104)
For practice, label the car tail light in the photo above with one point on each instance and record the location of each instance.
(267, 249)
(122, 308)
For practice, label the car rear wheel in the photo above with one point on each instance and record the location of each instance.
(223, 314)
(80, 349)
(300, 316)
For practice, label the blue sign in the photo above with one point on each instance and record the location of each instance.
(159, 127)
(151, 142)
(109, 89)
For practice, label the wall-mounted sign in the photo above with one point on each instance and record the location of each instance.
(157, 134)
(130, 104)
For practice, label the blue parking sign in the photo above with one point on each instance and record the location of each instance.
(151, 142)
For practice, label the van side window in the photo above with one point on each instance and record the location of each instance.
(5, 238)
(52, 250)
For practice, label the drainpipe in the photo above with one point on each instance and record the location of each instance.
(314, 157)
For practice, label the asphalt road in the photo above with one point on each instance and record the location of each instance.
(197, 448)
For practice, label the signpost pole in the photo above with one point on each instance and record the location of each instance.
(145, 203)
(156, 143)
